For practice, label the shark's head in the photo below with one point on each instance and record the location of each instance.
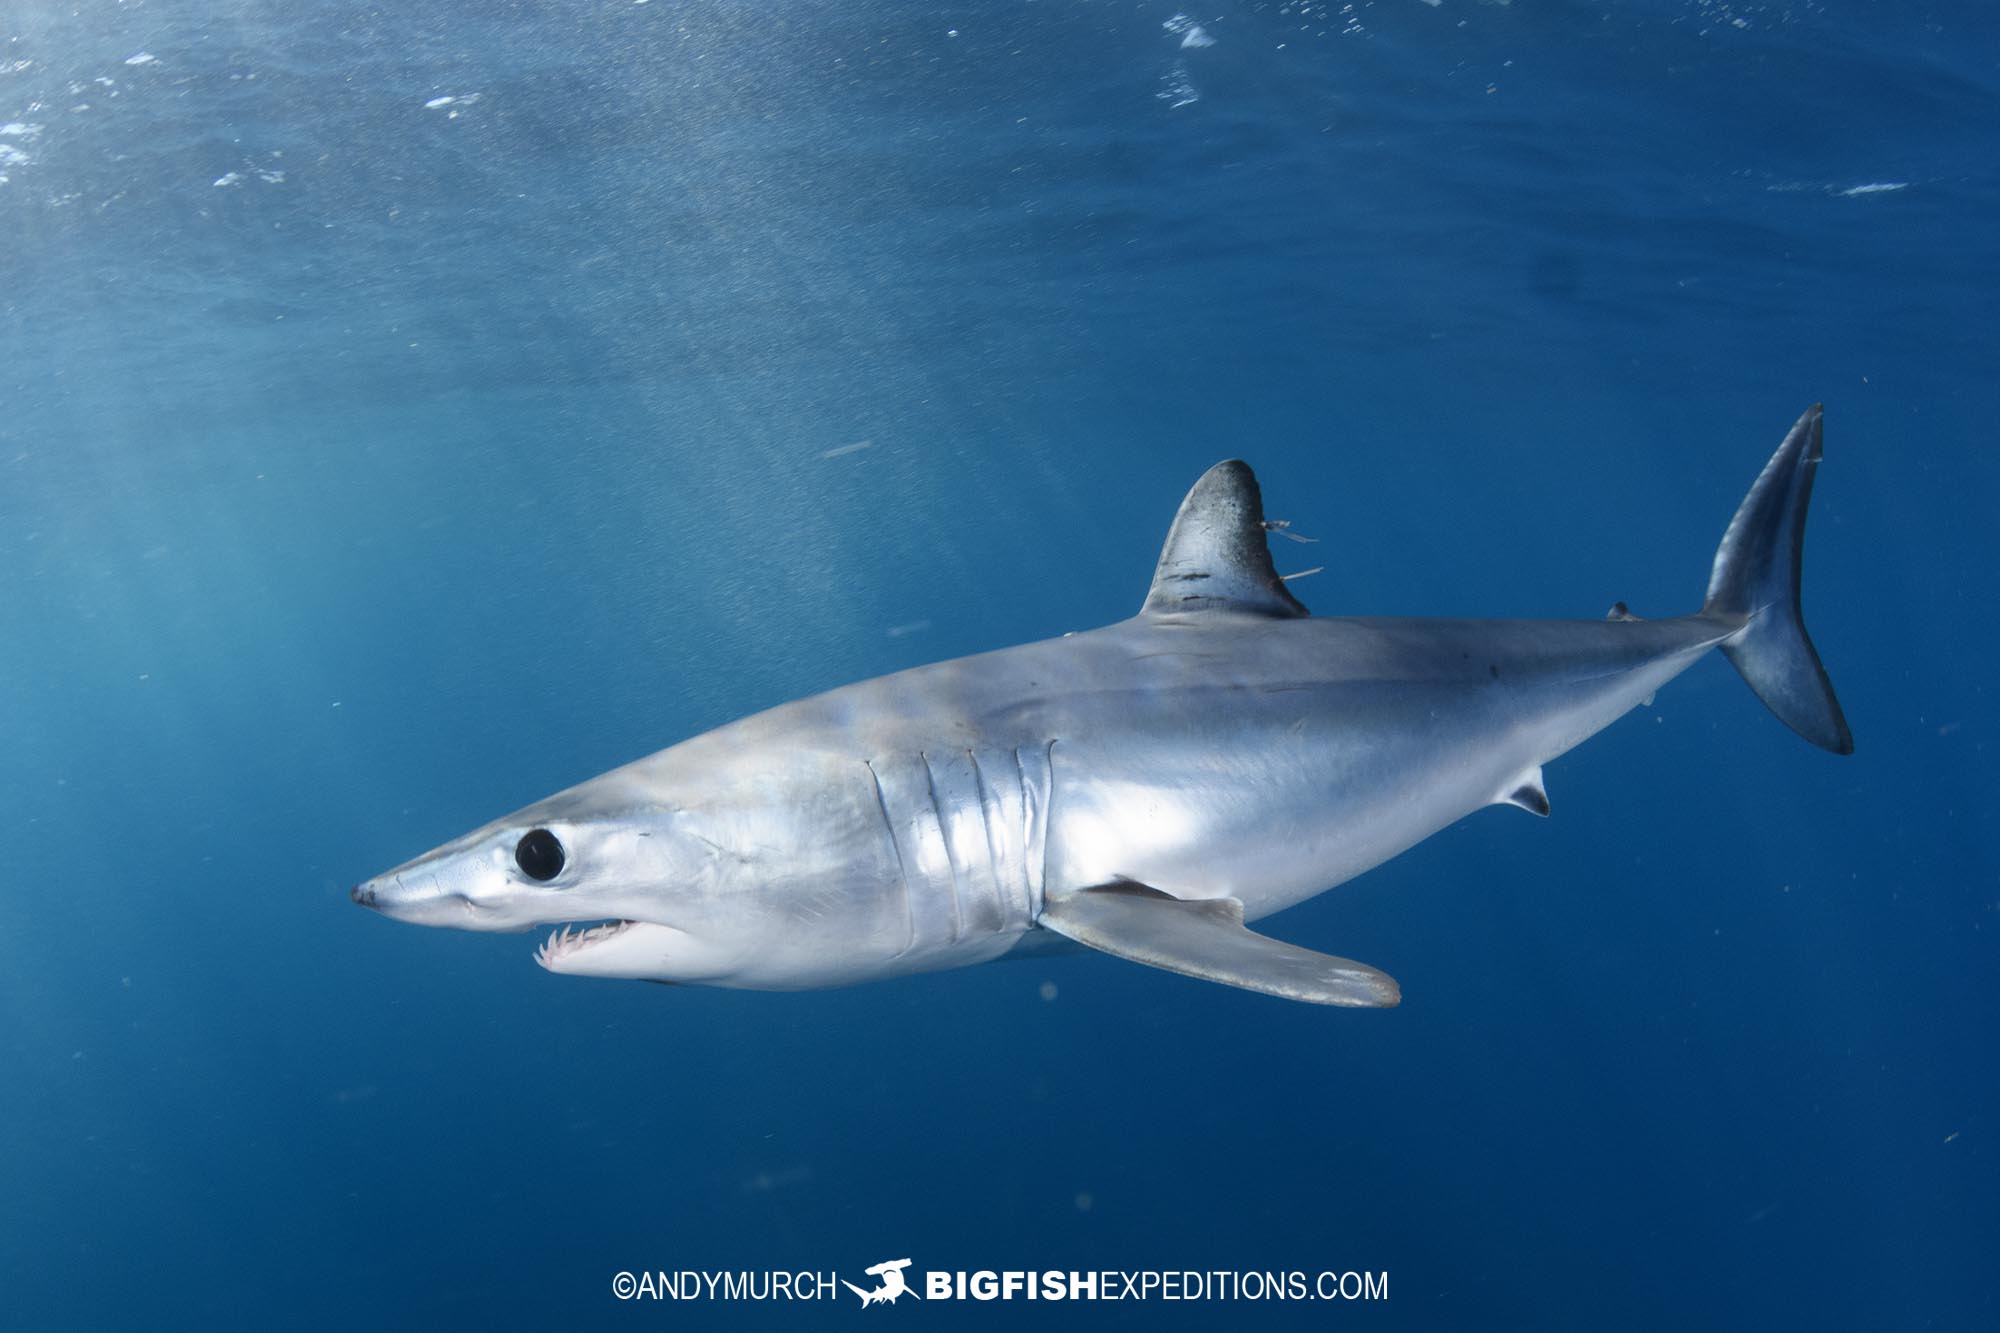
(716, 861)
(631, 886)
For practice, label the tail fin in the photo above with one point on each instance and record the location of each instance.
(1756, 585)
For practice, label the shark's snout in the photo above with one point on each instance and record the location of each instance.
(420, 899)
(427, 898)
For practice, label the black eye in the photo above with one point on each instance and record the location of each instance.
(539, 854)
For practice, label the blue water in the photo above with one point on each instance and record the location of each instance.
(372, 464)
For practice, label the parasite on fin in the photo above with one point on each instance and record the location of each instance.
(1207, 939)
(1620, 611)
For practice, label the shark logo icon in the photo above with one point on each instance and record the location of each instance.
(893, 1285)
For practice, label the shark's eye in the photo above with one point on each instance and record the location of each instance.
(539, 853)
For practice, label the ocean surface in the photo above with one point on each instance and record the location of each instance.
(409, 410)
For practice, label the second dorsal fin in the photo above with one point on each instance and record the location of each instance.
(1217, 556)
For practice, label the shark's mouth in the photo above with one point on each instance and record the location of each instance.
(564, 944)
(644, 950)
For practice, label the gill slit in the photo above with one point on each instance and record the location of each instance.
(896, 846)
(1048, 816)
(944, 836)
(988, 804)
(1036, 807)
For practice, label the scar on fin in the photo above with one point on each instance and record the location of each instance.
(1620, 611)
(1530, 795)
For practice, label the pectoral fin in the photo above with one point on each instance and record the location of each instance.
(1206, 938)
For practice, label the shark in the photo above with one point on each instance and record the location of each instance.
(1146, 789)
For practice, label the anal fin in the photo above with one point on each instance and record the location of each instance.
(1529, 794)
(1206, 938)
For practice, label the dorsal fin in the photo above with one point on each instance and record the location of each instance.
(1217, 556)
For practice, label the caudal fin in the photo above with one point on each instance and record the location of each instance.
(1756, 585)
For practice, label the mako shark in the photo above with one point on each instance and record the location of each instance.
(1144, 789)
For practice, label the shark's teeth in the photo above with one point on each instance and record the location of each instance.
(567, 940)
